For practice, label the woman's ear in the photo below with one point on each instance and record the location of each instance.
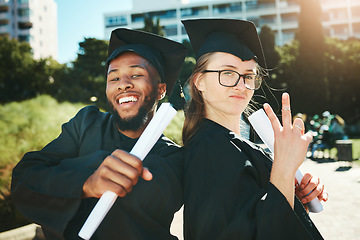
(199, 81)
(161, 91)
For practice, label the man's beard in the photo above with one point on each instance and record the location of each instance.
(131, 123)
(136, 122)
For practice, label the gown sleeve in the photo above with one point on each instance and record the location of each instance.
(228, 195)
(47, 185)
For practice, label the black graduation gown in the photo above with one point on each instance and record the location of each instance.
(47, 184)
(228, 194)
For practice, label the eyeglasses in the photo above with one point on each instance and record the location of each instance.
(229, 78)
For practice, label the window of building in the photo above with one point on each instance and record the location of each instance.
(267, 20)
(24, 12)
(195, 11)
(137, 17)
(289, 18)
(356, 28)
(291, 2)
(4, 22)
(24, 38)
(325, 16)
(355, 11)
(338, 14)
(164, 14)
(23, 1)
(226, 8)
(340, 29)
(250, 5)
(115, 21)
(170, 30)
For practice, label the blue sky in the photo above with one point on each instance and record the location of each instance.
(78, 19)
(82, 18)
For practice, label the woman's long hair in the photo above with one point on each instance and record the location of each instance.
(195, 109)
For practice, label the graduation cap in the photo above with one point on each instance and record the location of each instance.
(237, 37)
(165, 55)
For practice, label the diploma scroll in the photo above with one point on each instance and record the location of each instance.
(263, 128)
(147, 140)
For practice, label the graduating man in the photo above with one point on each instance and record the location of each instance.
(58, 186)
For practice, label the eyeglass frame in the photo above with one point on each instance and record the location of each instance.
(240, 76)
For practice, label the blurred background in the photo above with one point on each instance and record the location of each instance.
(53, 52)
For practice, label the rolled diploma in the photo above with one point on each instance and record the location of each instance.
(262, 125)
(147, 140)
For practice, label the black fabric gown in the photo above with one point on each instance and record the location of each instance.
(47, 184)
(228, 194)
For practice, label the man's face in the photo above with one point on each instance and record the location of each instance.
(133, 89)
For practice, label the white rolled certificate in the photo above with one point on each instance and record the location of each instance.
(262, 125)
(147, 140)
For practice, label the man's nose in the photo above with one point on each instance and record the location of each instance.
(125, 83)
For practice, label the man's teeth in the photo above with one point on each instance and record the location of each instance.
(127, 99)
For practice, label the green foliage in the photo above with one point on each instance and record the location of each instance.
(150, 27)
(342, 63)
(186, 70)
(85, 81)
(29, 126)
(191, 52)
(267, 38)
(26, 126)
(174, 129)
(21, 77)
(310, 76)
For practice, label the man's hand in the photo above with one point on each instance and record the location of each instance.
(118, 173)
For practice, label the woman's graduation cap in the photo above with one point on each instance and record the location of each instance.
(165, 55)
(237, 37)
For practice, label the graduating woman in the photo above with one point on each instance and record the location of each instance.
(232, 189)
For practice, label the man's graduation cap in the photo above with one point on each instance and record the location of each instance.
(237, 37)
(165, 55)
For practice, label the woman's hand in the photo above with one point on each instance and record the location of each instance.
(291, 143)
(310, 188)
(290, 147)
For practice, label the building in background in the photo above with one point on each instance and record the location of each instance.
(341, 18)
(32, 21)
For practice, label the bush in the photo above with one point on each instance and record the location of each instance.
(26, 126)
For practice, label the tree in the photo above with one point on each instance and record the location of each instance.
(150, 27)
(267, 38)
(85, 81)
(342, 63)
(309, 85)
(21, 77)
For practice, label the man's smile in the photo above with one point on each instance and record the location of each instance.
(127, 99)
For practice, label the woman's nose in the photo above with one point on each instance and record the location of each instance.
(241, 83)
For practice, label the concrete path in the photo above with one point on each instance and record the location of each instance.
(340, 219)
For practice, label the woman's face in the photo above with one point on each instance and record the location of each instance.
(223, 101)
